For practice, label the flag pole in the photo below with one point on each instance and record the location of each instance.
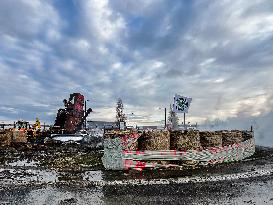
(184, 120)
(165, 117)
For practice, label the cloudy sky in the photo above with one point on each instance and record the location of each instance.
(144, 51)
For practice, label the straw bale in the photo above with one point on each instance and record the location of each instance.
(185, 140)
(19, 136)
(210, 139)
(154, 140)
(5, 138)
(232, 137)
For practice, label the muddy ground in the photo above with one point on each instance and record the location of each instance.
(73, 174)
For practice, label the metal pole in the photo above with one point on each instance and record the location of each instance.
(85, 114)
(165, 117)
(184, 121)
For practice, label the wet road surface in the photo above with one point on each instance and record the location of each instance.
(23, 181)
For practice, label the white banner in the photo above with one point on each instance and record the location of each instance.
(181, 104)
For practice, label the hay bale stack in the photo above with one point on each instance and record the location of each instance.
(19, 137)
(210, 139)
(5, 138)
(232, 137)
(154, 140)
(185, 140)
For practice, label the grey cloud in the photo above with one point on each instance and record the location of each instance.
(26, 18)
(153, 37)
(197, 46)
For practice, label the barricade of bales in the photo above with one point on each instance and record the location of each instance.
(181, 140)
(7, 137)
(160, 142)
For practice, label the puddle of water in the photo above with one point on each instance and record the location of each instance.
(27, 175)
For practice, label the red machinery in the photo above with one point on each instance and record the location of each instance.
(71, 118)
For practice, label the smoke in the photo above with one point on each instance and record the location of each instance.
(262, 126)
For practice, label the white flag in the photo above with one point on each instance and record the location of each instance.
(181, 104)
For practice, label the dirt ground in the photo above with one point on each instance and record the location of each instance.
(74, 174)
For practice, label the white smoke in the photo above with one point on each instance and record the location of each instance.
(262, 126)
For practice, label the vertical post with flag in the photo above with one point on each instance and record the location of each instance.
(181, 105)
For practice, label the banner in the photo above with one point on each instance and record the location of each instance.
(181, 104)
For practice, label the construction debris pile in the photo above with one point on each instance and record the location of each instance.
(71, 118)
